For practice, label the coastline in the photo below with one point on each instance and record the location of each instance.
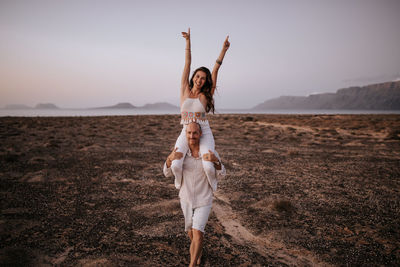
(138, 111)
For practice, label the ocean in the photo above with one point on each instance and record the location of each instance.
(124, 112)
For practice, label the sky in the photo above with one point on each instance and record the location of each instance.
(79, 54)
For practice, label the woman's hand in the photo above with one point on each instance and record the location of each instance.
(186, 35)
(226, 44)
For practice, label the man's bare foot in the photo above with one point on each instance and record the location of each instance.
(199, 258)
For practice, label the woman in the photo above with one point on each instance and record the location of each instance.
(196, 99)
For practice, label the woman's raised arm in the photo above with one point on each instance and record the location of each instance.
(218, 63)
(186, 68)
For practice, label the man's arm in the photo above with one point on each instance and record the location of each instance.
(214, 158)
(167, 165)
(167, 171)
(220, 173)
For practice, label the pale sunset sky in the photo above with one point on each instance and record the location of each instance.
(97, 53)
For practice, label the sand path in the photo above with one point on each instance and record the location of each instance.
(314, 130)
(285, 126)
(265, 245)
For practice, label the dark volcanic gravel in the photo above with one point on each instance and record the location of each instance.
(90, 191)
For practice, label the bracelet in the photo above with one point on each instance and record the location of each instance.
(218, 61)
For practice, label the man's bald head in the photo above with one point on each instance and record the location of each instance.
(193, 133)
(193, 126)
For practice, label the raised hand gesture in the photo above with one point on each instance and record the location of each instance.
(186, 35)
(226, 44)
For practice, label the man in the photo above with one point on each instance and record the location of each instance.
(196, 189)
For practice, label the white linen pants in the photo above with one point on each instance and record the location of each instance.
(206, 143)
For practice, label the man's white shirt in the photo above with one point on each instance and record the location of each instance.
(196, 189)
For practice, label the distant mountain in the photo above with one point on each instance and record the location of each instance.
(124, 105)
(155, 106)
(160, 106)
(382, 96)
(17, 106)
(46, 106)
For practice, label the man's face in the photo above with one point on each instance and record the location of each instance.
(193, 133)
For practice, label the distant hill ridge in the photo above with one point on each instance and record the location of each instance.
(381, 96)
(154, 106)
(38, 106)
(46, 106)
(123, 105)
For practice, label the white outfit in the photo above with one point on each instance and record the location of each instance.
(195, 218)
(196, 192)
(192, 110)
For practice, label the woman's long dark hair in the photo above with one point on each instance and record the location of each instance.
(206, 89)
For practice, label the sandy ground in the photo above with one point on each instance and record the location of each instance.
(305, 190)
